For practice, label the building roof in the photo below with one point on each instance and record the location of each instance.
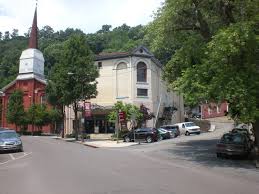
(44, 81)
(140, 51)
(33, 41)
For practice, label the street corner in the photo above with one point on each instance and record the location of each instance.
(109, 144)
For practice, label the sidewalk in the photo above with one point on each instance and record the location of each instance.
(99, 143)
(108, 144)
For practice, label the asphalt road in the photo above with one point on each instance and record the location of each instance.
(51, 166)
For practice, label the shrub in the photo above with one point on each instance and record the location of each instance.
(70, 135)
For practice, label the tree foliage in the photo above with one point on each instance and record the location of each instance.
(15, 109)
(122, 38)
(38, 115)
(74, 76)
(131, 111)
(211, 51)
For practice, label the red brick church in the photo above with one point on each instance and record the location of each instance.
(30, 80)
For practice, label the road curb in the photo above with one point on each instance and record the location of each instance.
(92, 146)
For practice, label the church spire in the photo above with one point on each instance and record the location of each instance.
(33, 41)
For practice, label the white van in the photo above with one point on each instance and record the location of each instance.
(188, 128)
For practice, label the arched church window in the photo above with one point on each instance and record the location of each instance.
(121, 66)
(141, 72)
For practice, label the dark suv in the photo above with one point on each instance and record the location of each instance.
(147, 134)
(173, 128)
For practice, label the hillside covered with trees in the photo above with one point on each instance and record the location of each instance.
(122, 38)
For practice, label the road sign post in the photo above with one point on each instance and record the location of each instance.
(121, 117)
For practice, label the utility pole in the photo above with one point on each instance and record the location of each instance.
(157, 110)
(118, 125)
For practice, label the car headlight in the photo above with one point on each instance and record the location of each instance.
(18, 142)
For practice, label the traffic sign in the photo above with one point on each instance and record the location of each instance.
(122, 116)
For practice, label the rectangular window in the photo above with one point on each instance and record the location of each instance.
(218, 108)
(100, 65)
(209, 110)
(142, 92)
(43, 99)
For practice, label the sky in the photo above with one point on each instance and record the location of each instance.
(87, 15)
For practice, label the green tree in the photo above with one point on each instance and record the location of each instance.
(38, 116)
(15, 109)
(14, 33)
(130, 110)
(75, 75)
(55, 115)
(54, 96)
(6, 35)
(212, 49)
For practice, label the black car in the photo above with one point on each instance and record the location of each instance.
(147, 134)
(173, 128)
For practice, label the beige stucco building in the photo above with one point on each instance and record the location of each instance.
(132, 77)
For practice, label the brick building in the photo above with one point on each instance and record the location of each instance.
(30, 80)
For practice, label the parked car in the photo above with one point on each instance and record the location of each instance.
(188, 128)
(164, 134)
(241, 130)
(147, 134)
(10, 140)
(233, 144)
(174, 130)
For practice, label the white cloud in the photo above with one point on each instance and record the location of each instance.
(88, 15)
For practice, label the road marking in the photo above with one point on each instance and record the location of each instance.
(13, 158)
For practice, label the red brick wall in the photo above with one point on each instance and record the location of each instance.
(214, 110)
(33, 91)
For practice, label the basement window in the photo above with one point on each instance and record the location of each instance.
(142, 92)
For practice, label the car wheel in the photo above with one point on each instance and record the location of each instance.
(149, 139)
(175, 135)
(187, 133)
(20, 150)
(127, 139)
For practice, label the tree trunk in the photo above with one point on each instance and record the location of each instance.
(204, 27)
(256, 133)
(75, 107)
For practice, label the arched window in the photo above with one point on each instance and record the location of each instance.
(141, 72)
(121, 66)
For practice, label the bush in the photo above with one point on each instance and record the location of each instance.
(25, 132)
(85, 136)
(70, 135)
(37, 133)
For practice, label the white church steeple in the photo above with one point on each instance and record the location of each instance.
(32, 60)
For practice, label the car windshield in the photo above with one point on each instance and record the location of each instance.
(233, 139)
(191, 124)
(162, 130)
(240, 130)
(8, 135)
